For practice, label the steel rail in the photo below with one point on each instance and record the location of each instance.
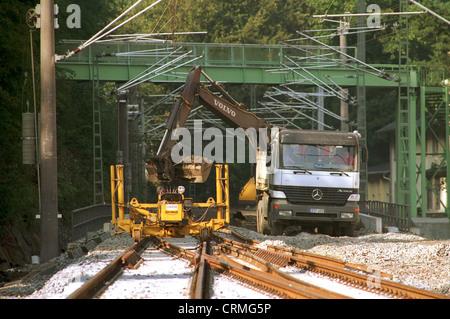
(359, 276)
(97, 284)
(277, 274)
(267, 277)
(307, 257)
(201, 283)
(271, 280)
(173, 249)
(260, 280)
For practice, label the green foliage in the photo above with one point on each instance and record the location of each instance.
(18, 199)
(429, 37)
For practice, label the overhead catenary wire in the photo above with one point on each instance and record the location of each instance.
(338, 61)
(307, 104)
(301, 98)
(322, 84)
(147, 37)
(98, 34)
(336, 33)
(144, 77)
(147, 71)
(102, 33)
(381, 73)
(429, 11)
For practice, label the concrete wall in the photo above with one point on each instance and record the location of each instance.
(438, 228)
(371, 223)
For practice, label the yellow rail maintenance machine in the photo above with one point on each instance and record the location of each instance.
(171, 215)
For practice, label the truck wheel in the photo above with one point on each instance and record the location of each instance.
(343, 230)
(262, 225)
(326, 230)
(348, 230)
(277, 229)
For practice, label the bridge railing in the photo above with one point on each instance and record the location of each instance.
(212, 53)
(392, 214)
(90, 218)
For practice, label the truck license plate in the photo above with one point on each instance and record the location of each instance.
(317, 210)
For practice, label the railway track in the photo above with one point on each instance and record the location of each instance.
(274, 271)
(355, 275)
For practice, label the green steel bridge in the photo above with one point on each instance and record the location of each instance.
(226, 63)
(422, 112)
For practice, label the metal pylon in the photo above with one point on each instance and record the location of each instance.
(97, 137)
(434, 131)
(405, 188)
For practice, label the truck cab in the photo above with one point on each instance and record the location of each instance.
(312, 181)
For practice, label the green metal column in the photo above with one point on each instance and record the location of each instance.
(97, 137)
(434, 119)
(405, 190)
(423, 198)
(447, 146)
(412, 167)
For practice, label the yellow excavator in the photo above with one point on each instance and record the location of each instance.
(171, 216)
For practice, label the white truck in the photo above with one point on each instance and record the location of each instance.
(312, 181)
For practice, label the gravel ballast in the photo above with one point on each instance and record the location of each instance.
(412, 260)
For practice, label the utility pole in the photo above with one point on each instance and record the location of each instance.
(361, 96)
(343, 30)
(123, 146)
(48, 151)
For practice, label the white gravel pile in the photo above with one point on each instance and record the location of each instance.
(69, 279)
(412, 260)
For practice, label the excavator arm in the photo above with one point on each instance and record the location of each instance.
(236, 115)
(161, 168)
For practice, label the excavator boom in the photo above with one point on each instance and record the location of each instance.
(161, 168)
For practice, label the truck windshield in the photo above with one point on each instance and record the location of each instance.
(318, 157)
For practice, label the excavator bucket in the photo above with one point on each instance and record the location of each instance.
(151, 173)
(196, 172)
(166, 171)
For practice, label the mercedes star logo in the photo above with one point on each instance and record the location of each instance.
(317, 194)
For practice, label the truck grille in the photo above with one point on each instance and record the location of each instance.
(304, 195)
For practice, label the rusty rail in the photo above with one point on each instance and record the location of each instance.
(201, 283)
(97, 284)
(356, 275)
(271, 279)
